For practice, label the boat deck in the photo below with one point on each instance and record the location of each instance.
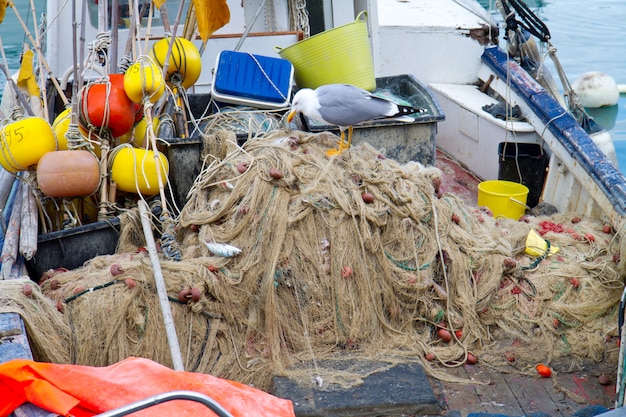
(562, 395)
(512, 394)
(457, 179)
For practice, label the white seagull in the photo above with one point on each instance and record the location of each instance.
(346, 105)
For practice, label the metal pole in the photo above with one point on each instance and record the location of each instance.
(170, 329)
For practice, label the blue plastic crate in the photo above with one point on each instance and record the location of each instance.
(254, 80)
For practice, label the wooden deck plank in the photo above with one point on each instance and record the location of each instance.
(566, 405)
(516, 395)
(588, 388)
(532, 396)
(461, 397)
(497, 397)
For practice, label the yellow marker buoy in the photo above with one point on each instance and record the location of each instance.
(60, 125)
(135, 170)
(184, 59)
(139, 133)
(24, 142)
(144, 79)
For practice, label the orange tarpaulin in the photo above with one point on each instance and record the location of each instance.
(85, 391)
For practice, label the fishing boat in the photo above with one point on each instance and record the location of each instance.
(493, 117)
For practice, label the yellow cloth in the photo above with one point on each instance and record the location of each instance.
(26, 78)
(211, 16)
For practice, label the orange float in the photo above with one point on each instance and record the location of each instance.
(70, 173)
(106, 105)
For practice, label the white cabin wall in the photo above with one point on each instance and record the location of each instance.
(343, 12)
(278, 21)
(405, 35)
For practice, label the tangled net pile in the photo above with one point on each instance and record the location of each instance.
(354, 257)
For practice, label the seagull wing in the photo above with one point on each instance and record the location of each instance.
(347, 105)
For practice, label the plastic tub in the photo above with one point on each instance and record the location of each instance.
(341, 55)
(503, 198)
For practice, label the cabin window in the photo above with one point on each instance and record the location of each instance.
(124, 12)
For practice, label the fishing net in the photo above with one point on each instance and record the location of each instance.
(47, 330)
(356, 260)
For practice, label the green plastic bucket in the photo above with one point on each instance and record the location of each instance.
(503, 198)
(341, 55)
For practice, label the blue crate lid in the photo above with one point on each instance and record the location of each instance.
(255, 77)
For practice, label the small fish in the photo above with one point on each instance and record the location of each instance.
(222, 249)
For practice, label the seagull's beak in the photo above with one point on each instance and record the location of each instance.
(291, 115)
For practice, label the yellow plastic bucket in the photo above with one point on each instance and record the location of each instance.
(503, 198)
(341, 55)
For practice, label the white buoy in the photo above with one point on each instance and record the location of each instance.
(596, 89)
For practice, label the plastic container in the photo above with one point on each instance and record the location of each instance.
(525, 163)
(503, 198)
(73, 247)
(341, 55)
(252, 80)
(402, 141)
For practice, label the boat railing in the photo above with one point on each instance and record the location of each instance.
(571, 136)
(165, 397)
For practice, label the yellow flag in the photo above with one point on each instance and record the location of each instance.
(3, 9)
(211, 15)
(26, 77)
(158, 3)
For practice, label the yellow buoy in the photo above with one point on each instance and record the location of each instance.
(24, 142)
(184, 59)
(138, 134)
(135, 170)
(144, 80)
(60, 125)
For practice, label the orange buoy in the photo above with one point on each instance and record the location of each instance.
(134, 170)
(106, 105)
(70, 173)
(24, 142)
(185, 59)
(118, 81)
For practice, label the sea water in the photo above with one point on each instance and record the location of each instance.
(13, 36)
(588, 36)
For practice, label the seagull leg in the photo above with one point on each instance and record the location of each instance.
(343, 145)
(349, 137)
(340, 144)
